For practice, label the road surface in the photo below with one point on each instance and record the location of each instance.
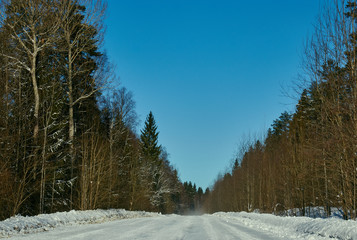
(205, 227)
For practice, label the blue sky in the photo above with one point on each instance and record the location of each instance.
(210, 71)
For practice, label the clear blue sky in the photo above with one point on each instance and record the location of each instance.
(210, 71)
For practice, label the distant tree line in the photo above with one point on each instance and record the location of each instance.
(308, 158)
(193, 198)
(68, 140)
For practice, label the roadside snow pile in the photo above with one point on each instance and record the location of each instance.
(314, 212)
(45, 222)
(296, 227)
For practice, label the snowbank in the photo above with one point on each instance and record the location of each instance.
(45, 222)
(296, 227)
(314, 212)
(283, 227)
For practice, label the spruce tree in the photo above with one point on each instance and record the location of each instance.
(152, 164)
(235, 165)
(149, 139)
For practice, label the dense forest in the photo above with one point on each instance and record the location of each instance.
(309, 157)
(68, 136)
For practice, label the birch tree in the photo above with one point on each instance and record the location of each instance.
(32, 28)
(82, 33)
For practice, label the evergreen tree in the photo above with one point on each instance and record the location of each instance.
(235, 165)
(281, 125)
(149, 139)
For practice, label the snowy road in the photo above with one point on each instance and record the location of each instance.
(163, 227)
(120, 224)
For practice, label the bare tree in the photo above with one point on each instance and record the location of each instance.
(31, 33)
(82, 29)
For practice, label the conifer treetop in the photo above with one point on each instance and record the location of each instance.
(149, 138)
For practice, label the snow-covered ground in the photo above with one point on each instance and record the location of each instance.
(314, 212)
(20, 225)
(296, 227)
(121, 224)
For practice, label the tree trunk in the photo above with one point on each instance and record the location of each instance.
(70, 118)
